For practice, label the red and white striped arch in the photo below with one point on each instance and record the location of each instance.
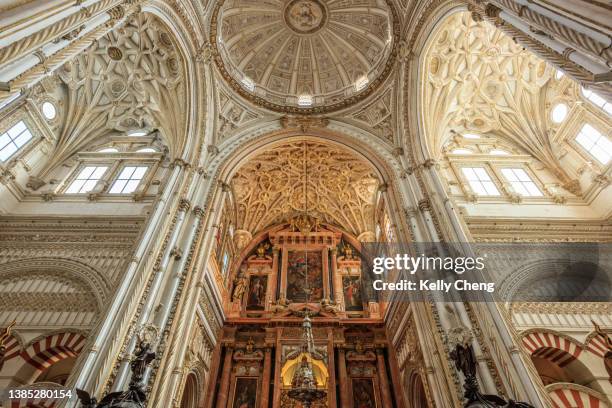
(47, 351)
(13, 348)
(596, 344)
(572, 396)
(552, 347)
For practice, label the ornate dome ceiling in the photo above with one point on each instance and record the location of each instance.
(304, 56)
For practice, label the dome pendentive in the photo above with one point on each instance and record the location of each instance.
(304, 56)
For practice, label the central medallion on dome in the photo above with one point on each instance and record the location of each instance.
(304, 56)
(305, 16)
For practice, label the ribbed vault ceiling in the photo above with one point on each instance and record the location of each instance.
(331, 183)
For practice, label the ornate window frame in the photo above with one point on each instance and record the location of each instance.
(574, 126)
(36, 124)
(507, 188)
(457, 168)
(115, 163)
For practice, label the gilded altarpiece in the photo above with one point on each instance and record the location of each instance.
(283, 275)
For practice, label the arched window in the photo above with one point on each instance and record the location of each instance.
(597, 100)
(595, 143)
(12, 140)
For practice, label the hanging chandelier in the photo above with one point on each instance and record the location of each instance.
(303, 383)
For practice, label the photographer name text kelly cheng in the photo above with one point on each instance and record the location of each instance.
(437, 285)
(422, 264)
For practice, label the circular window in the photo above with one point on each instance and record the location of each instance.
(48, 110)
(559, 113)
(146, 150)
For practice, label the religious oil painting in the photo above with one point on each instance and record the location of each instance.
(352, 293)
(304, 276)
(256, 299)
(363, 393)
(245, 394)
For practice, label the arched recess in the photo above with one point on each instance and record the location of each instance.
(556, 357)
(573, 395)
(51, 357)
(55, 288)
(553, 277)
(415, 389)
(191, 392)
(235, 153)
(239, 149)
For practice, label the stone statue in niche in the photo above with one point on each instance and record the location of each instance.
(240, 286)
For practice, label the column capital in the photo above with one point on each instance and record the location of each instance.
(198, 211)
(184, 205)
(424, 205)
(428, 164)
(178, 162)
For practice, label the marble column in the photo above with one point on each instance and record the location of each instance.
(277, 373)
(265, 382)
(326, 290)
(383, 379)
(283, 279)
(273, 284)
(331, 382)
(343, 377)
(224, 389)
